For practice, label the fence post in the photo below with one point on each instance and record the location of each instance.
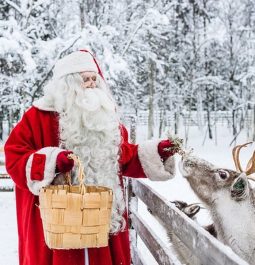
(131, 198)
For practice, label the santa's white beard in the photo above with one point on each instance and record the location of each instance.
(89, 126)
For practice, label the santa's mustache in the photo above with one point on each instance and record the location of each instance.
(93, 99)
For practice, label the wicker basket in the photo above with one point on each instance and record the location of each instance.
(75, 217)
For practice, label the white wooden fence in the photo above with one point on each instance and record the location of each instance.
(207, 248)
(4, 177)
(188, 118)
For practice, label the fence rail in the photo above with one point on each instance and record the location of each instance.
(4, 176)
(137, 257)
(5, 188)
(188, 118)
(153, 242)
(207, 249)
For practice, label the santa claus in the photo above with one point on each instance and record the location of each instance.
(77, 114)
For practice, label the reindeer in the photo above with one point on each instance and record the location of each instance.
(229, 198)
(191, 211)
(183, 253)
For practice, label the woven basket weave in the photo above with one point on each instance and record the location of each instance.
(77, 216)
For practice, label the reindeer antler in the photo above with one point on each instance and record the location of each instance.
(250, 168)
(251, 165)
(236, 156)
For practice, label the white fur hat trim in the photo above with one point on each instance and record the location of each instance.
(76, 62)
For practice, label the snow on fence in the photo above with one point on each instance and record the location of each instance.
(207, 248)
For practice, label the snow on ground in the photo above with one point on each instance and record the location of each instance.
(8, 230)
(175, 189)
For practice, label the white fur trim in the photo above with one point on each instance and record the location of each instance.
(152, 164)
(43, 104)
(169, 166)
(49, 170)
(75, 62)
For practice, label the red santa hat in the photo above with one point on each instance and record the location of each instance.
(76, 62)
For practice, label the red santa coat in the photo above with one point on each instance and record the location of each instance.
(31, 151)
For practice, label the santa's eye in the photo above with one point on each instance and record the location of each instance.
(223, 174)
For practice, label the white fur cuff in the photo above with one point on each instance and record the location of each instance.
(48, 167)
(152, 164)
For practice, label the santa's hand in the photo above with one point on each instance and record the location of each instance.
(165, 149)
(64, 164)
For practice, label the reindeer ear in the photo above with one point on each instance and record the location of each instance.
(239, 188)
(179, 204)
(191, 210)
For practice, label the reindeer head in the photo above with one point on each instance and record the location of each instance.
(189, 209)
(206, 179)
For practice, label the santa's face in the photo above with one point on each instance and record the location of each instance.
(89, 79)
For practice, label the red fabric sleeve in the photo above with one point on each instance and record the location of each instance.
(38, 165)
(18, 148)
(36, 130)
(129, 160)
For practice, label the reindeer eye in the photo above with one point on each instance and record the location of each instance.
(223, 174)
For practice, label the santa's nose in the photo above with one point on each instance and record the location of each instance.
(93, 84)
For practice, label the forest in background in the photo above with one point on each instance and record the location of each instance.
(193, 60)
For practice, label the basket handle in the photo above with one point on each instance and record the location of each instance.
(68, 178)
(81, 174)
